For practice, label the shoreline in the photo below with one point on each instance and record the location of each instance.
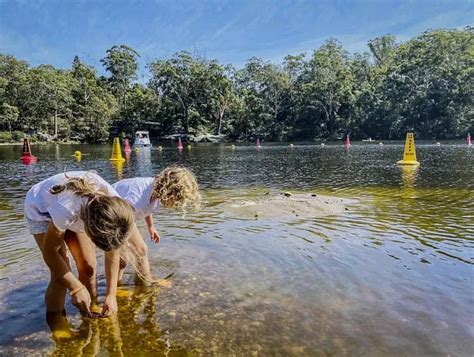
(43, 143)
(245, 143)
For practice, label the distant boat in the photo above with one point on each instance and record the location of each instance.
(142, 139)
(368, 140)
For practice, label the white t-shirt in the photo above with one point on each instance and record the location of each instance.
(63, 208)
(137, 191)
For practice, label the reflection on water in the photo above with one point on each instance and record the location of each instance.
(391, 275)
(135, 328)
(118, 167)
(409, 175)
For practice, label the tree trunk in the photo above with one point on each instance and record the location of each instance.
(186, 120)
(56, 122)
(219, 125)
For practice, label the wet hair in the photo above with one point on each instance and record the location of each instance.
(108, 220)
(176, 187)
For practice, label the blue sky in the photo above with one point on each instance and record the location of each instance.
(231, 31)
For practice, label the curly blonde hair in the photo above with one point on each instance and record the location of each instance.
(176, 187)
(108, 220)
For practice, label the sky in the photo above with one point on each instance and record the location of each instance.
(53, 32)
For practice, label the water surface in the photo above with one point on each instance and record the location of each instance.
(392, 275)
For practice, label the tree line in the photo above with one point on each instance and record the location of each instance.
(425, 84)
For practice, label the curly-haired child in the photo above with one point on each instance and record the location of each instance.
(173, 187)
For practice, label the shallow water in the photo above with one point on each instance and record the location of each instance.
(392, 275)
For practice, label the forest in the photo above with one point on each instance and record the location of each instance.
(424, 84)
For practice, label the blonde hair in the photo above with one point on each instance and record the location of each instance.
(108, 220)
(176, 187)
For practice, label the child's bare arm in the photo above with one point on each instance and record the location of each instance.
(112, 267)
(52, 243)
(151, 229)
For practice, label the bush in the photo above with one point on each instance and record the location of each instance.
(15, 136)
(5, 137)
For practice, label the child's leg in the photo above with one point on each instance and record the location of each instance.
(139, 249)
(55, 296)
(83, 252)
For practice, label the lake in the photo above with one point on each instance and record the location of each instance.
(392, 275)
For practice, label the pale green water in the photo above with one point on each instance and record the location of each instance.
(393, 275)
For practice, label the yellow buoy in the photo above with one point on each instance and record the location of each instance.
(291, 145)
(77, 155)
(116, 151)
(232, 146)
(322, 144)
(409, 154)
(160, 148)
(135, 149)
(189, 147)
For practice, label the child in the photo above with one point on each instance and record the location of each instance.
(173, 187)
(81, 210)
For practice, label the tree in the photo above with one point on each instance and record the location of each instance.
(429, 84)
(8, 116)
(144, 108)
(325, 92)
(93, 106)
(50, 100)
(264, 87)
(219, 94)
(178, 80)
(382, 48)
(122, 63)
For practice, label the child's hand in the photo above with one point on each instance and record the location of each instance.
(154, 236)
(110, 305)
(82, 300)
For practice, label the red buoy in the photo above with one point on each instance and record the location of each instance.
(469, 142)
(126, 146)
(347, 142)
(180, 144)
(258, 144)
(26, 155)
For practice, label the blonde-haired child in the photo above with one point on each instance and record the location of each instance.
(79, 210)
(173, 187)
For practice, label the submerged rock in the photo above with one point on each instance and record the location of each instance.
(286, 206)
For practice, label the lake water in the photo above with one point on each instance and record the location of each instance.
(393, 275)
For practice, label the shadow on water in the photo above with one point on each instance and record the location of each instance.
(19, 305)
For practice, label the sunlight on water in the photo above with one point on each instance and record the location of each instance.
(392, 274)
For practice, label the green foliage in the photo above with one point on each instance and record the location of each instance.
(425, 83)
(8, 115)
(93, 107)
(197, 92)
(121, 62)
(9, 137)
